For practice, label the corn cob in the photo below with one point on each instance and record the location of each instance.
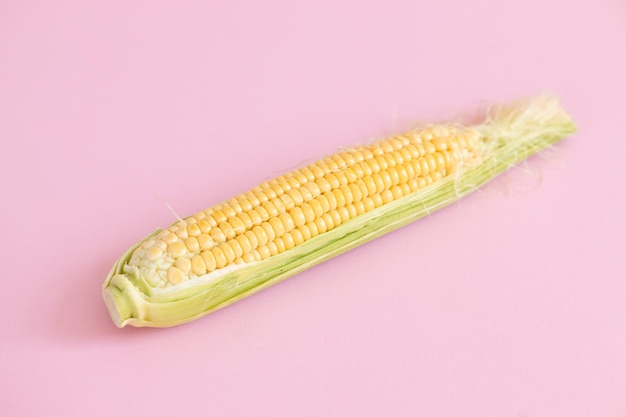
(288, 224)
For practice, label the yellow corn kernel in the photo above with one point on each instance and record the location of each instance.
(198, 266)
(175, 275)
(209, 260)
(220, 257)
(184, 264)
(154, 253)
(176, 249)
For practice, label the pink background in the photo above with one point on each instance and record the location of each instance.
(510, 303)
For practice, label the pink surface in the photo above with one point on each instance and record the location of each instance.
(511, 303)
